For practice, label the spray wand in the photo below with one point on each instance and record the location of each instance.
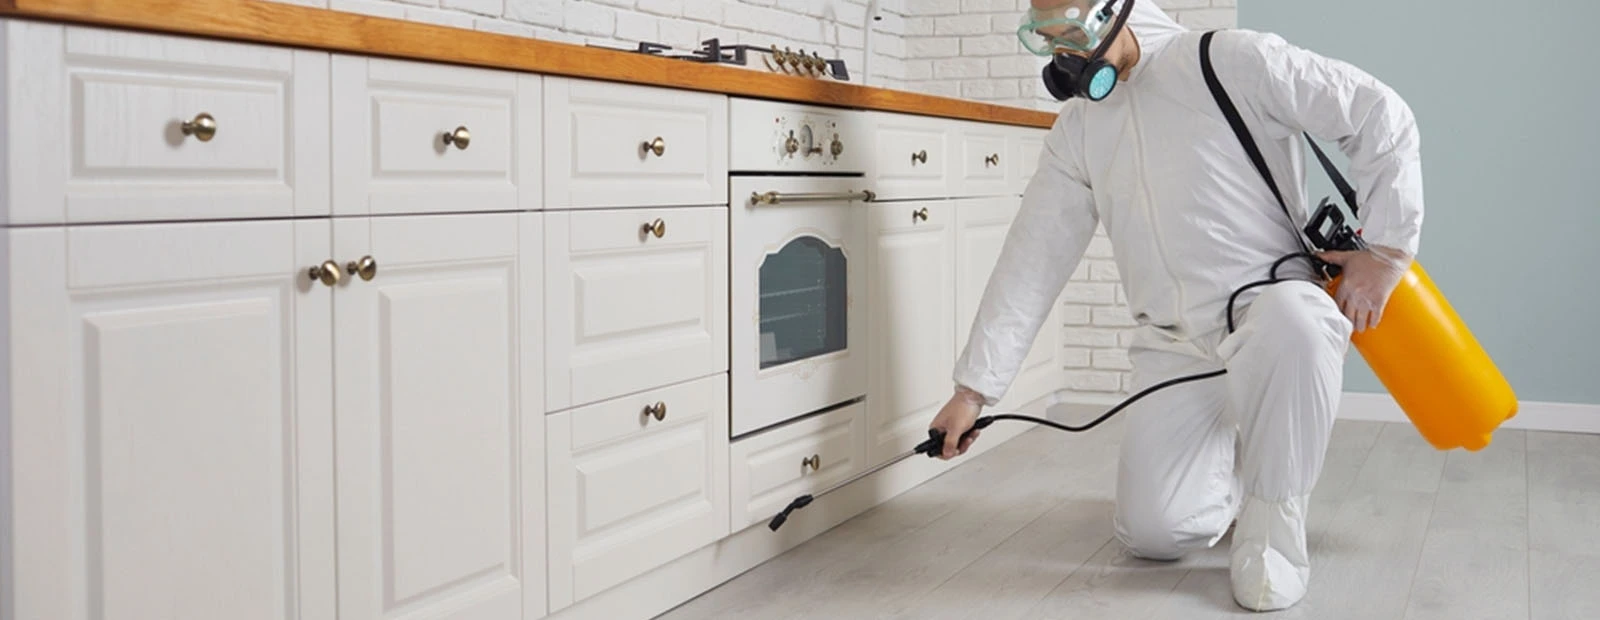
(933, 446)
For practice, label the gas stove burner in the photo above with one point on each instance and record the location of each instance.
(785, 61)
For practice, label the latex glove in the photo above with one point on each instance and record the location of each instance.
(956, 418)
(1367, 278)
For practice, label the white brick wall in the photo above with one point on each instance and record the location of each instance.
(947, 41)
(831, 28)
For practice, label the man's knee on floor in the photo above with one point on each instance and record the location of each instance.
(1160, 535)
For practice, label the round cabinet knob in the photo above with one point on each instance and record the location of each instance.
(813, 461)
(366, 268)
(920, 214)
(657, 228)
(460, 138)
(838, 146)
(326, 273)
(657, 411)
(920, 156)
(203, 127)
(657, 146)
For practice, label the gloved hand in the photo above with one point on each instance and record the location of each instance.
(956, 418)
(1367, 278)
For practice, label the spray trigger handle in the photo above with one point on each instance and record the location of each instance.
(1329, 232)
(934, 445)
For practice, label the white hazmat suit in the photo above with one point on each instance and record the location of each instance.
(1191, 220)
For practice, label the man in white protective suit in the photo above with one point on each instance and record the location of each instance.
(1191, 220)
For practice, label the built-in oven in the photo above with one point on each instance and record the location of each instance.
(798, 234)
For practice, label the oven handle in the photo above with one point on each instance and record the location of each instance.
(775, 197)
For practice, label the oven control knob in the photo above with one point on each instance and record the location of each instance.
(791, 145)
(838, 147)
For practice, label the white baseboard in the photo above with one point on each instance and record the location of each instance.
(1532, 416)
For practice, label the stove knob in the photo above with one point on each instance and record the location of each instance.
(838, 147)
(791, 145)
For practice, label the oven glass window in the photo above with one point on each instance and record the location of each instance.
(803, 302)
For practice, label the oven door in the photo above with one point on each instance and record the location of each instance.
(798, 267)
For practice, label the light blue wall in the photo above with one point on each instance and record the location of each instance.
(1507, 96)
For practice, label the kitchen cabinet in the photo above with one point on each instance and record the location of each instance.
(772, 468)
(311, 334)
(985, 163)
(170, 422)
(635, 482)
(911, 308)
(441, 471)
(114, 126)
(911, 157)
(638, 299)
(981, 228)
(626, 145)
(1026, 146)
(411, 137)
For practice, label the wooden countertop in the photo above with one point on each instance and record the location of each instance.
(260, 21)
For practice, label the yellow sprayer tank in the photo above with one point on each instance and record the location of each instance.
(1434, 368)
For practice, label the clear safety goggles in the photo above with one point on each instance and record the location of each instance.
(1076, 25)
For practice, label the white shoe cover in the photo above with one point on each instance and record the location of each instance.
(1270, 567)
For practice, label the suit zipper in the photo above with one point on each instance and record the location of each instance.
(1150, 215)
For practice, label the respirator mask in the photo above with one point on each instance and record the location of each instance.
(1076, 36)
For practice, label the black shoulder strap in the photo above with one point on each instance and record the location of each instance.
(1249, 142)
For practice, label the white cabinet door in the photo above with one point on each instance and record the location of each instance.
(171, 425)
(1026, 146)
(110, 125)
(412, 137)
(913, 156)
(984, 163)
(440, 426)
(981, 228)
(626, 145)
(911, 306)
(774, 467)
(635, 483)
(628, 310)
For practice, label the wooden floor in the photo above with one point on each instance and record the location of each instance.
(1396, 530)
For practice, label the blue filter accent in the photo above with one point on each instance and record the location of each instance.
(1104, 80)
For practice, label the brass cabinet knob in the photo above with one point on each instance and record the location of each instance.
(657, 146)
(920, 214)
(657, 411)
(920, 156)
(813, 461)
(993, 160)
(326, 273)
(366, 268)
(460, 138)
(838, 146)
(657, 228)
(203, 127)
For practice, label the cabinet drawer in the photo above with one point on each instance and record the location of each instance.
(985, 162)
(773, 468)
(412, 137)
(1026, 147)
(630, 492)
(601, 139)
(627, 310)
(110, 125)
(912, 157)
